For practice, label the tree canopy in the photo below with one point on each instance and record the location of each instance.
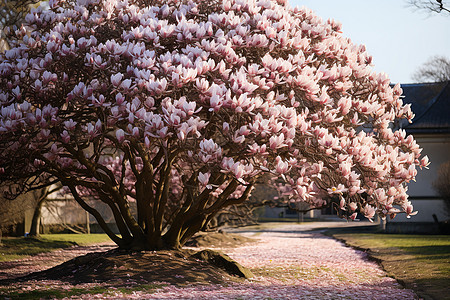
(181, 106)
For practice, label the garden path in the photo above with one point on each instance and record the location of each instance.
(292, 263)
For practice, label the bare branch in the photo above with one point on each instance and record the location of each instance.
(436, 69)
(430, 6)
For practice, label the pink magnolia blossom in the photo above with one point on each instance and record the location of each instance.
(120, 134)
(353, 206)
(369, 211)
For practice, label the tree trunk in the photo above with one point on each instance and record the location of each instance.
(36, 221)
(172, 239)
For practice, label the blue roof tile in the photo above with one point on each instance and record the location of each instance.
(430, 102)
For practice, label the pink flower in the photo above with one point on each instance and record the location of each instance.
(216, 103)
(342, 203)
(135, 132)
(65, 136)
(203, 178)
(254, 87)
(126, 84)
(91, 130)
(225, 127)
(147, 142)
(409, 210)
(369, 212)
(337, 190)
(424, 162)
(277, 142)
(282, 167)
(120, 135)
(116, 79)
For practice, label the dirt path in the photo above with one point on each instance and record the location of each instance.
(289, 263)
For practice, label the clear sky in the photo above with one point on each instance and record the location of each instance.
(399, 38)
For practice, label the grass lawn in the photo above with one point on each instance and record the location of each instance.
(20, 247)
(420, 262)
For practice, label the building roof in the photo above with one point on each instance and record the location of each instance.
(430, 102)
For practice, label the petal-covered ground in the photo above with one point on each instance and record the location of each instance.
(43, 261)
(288, 263)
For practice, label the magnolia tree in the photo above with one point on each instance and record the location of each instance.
(181, 106)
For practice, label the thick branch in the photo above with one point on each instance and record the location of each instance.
(95, 213)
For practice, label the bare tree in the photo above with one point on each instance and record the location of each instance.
(442, 184)
(435, 69)
(12, 213)
(431, 6)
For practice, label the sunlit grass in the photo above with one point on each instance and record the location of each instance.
(404, 241)
(421, 262)
(79, 239)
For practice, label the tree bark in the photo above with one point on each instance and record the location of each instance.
(36, 221)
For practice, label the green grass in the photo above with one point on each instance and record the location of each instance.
(79, 239)
(420, 262)
(17, 248)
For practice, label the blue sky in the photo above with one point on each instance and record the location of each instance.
(399, 38)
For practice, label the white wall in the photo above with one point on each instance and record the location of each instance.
(62, 211)
(438, 150)
(426, 208)
(57, 211)
(422, 195)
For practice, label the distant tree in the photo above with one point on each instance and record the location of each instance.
(433, 6)
(12, 14)
(12, 213)
(42, 197)
(436, 69)
(442, 184)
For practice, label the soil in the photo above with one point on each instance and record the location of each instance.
(173, 267)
